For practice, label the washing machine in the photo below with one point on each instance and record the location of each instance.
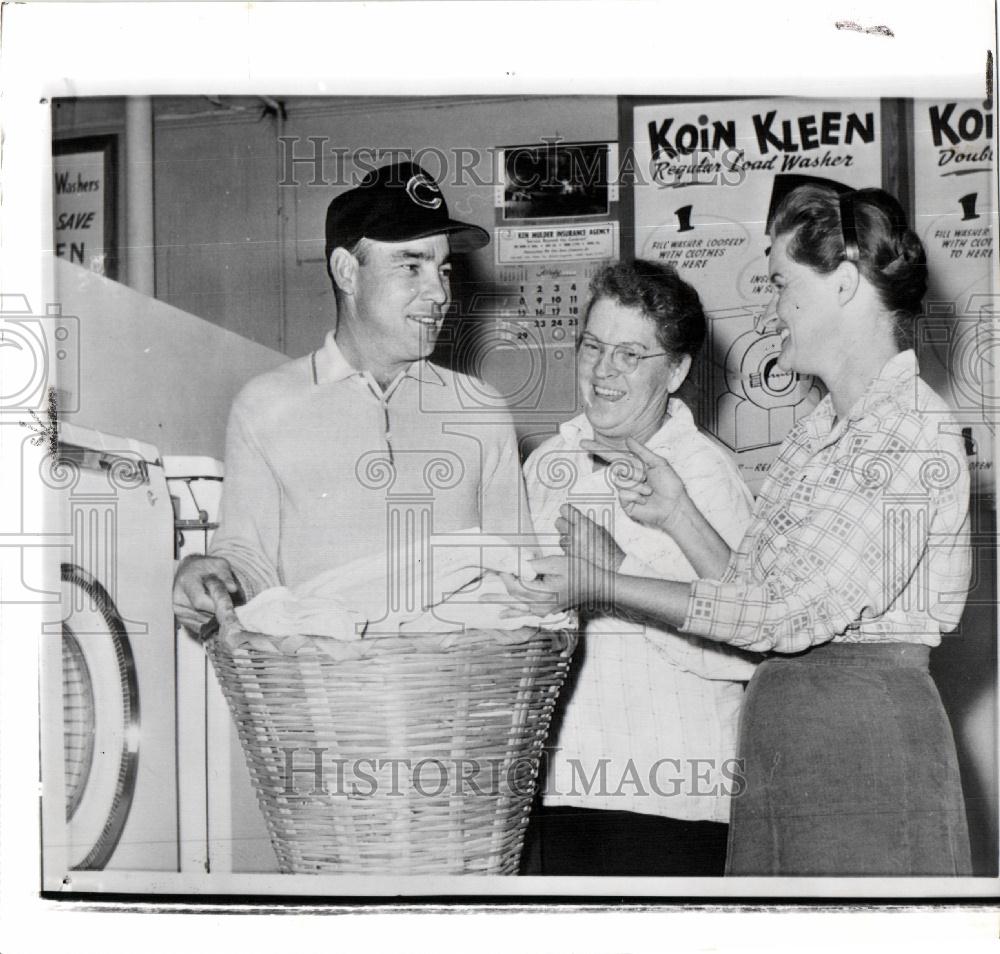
(752, 402)
(221, 826)
(109, 766)
(195, 486)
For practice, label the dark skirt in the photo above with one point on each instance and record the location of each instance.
(850, 768)
(565, 840)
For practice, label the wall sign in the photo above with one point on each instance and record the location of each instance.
(85, 173)
(703, 174)
(958, 338)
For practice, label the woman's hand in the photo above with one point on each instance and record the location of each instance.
(534, 598)
(658, 496)
(562, 583)
(573, 582)
(582, 577)
(582, 538)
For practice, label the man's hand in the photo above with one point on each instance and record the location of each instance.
(192, 604)
(658, 496)
(582, 538)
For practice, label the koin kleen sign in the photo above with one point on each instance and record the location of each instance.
(957, 339)
(706, 149)
(962, 134)
(704, 175)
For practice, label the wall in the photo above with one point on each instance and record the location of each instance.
(964, 668)
(150, 371)
(241, 251)
(215, 195)
(220, 210)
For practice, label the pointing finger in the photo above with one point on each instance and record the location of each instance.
(643, 453)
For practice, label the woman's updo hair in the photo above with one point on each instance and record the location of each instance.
(866, 226)
(663, 297)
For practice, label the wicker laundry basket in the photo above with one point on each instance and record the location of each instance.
(416, 754)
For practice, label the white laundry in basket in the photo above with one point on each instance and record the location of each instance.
(462, 590)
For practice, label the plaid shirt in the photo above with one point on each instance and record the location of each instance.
(860, 533)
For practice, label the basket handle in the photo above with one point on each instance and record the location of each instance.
(225, 614)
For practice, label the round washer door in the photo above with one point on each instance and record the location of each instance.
(100, 720)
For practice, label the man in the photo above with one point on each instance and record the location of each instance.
(332, 456)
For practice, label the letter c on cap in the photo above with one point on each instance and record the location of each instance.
(418, 188)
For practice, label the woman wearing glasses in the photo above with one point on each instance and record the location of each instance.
(855, 563)
(641, 770)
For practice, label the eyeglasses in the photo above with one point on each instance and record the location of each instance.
(624, 358)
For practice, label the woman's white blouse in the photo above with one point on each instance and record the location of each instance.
(648, 720)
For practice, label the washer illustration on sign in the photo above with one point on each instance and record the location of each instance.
(751, 402)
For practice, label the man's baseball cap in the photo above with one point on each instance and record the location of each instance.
(396, 203)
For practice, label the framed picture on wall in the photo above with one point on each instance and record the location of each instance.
(85, 182)
(556, 180)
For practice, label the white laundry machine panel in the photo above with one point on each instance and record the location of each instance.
(221, 825)
(195, 485)
(113, 676)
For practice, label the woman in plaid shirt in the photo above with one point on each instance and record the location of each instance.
(855, 562)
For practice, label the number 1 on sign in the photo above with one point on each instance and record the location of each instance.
(684, 219)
